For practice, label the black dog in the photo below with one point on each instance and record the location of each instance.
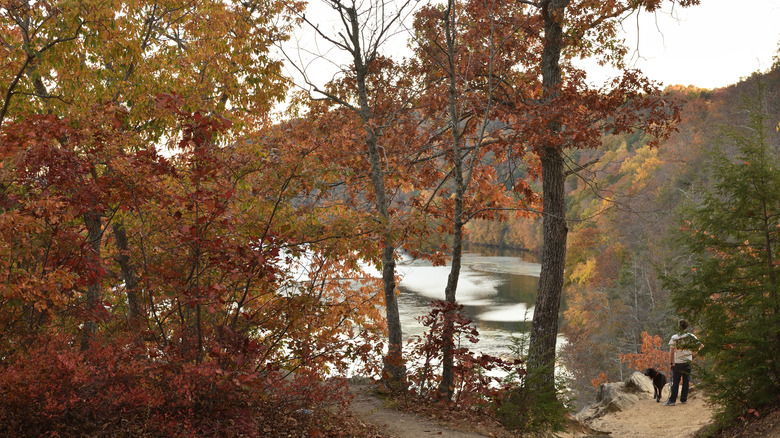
(659, 381)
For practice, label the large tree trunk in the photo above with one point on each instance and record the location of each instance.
(544, 329)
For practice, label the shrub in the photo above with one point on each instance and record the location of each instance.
(115, 389)
(478, 377)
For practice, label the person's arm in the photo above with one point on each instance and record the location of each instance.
(671, 356)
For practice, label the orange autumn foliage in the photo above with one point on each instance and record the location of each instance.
(602, 378)
(650, 356)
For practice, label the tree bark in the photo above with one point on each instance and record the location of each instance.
(446, 386)
(394, 373)
(93, 223)
(544, 328)
(129, 274)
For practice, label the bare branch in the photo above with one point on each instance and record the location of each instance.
(573, 170)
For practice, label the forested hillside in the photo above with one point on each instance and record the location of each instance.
(627, 207)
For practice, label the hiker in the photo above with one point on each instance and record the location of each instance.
(680, 357)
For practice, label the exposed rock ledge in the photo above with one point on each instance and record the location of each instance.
(618, 396)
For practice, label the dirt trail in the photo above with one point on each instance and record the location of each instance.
(650, 419)
(370, 409)
(644, 419)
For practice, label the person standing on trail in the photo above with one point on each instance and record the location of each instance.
(680, 357)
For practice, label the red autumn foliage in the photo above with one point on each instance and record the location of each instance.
(219, 323)
(118, 387)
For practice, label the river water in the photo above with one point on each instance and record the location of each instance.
(497, 288)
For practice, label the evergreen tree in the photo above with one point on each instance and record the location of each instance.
(730, 288)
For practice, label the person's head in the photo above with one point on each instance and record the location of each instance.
(683, 324)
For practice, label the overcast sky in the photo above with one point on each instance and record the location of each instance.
(710, 45)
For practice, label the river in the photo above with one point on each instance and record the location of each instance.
(497, 288)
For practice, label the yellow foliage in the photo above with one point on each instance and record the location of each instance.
(583, 272)
(642, 165)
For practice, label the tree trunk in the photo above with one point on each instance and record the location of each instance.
(544, 328)
(446, 387)
(93, 223)
(394, 373)
(129, 274)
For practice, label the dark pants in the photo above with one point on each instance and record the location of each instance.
(680, 371)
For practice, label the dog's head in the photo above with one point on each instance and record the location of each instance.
(651, 372)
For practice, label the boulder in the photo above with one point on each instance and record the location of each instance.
(621, 403)
(608, 392)
(639, 383)
(617, 396)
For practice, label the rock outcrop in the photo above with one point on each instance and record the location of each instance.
(618, 396)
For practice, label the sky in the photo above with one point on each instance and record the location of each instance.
(710, 45)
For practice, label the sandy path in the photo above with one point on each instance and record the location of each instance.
(370, 409)
(644, 419)
(650, 419)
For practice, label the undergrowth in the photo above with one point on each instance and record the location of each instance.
(488, 390)
(52, 388)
